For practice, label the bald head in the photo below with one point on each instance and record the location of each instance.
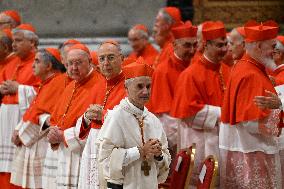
(138, 39)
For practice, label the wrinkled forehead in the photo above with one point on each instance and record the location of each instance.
(135, 33)
(107, 48)
(142, 80)
(77, 54)
(187, 40)
(18, 34)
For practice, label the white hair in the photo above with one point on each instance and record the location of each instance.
(167, 17)
(237, 34)
(279, 46)
(28, 35)
(258, 56)
(11, 20)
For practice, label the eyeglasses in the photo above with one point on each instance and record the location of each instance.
(110, 58)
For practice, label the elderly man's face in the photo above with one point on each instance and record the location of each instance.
(161, 24)
(5, 22)
(278, 56)
(185, 48)
(40, 69)
(139, 91)
(217, 48)
(110, 60)
(21, 45)
(266, 53)
(236, 47)
(267, 48)
(137, 41)
(78, 64)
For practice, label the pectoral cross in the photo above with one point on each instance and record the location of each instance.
(145, 167)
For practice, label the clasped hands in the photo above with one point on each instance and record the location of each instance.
(9, 87)
(152, 148)
(94, 112)
(55, 137)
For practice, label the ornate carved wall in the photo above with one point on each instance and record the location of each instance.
(237, 12)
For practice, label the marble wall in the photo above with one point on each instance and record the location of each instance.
(85, 18)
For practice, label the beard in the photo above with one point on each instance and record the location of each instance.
(269, 63)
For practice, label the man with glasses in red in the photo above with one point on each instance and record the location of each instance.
(198, 96)
(106, 94)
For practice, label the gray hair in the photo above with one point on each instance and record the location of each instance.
(167, 17)
(127, 82)
(28, 35)
(48, 58)
(11, 20)
(117, 45)
(279, 46)
(239, 37)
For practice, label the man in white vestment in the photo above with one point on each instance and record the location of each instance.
(133, 150)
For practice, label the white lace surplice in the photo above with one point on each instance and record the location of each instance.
(250, 159)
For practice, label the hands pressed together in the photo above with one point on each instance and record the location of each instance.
(152, 148)
(94, 112)
(55, 135)
(9, 87)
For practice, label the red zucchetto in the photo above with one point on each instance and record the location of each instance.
(55, 53)
(27, 27)
(81, 47)
(14, 15)
(137, 69)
